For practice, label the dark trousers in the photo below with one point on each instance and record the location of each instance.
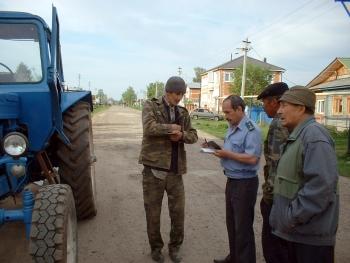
(153, 192)
(274, 248)
(302, 253)
(240, 201)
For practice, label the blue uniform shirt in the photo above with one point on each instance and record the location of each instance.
(245, 138)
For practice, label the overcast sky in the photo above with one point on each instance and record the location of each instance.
(115, 44)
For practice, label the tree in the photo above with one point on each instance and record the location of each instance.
(198, 71)
(23, 73)
(152, 87)
(257, 79)
(129, 96)
(101, 97)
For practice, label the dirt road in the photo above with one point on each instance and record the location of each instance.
(118, 233)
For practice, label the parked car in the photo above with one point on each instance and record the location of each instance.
(201, 113)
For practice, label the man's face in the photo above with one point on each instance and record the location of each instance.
(232, 116)
(174, 97)
(290, 114)
(271, 106)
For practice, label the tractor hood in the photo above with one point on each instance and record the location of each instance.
(9, 106)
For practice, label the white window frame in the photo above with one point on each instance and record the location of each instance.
(230, 76)
(320, 106)
(211, 77)
(216, 76)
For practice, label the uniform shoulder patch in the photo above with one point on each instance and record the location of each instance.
(249, 125)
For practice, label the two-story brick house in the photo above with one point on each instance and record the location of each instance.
(192, 97)
(215, 83)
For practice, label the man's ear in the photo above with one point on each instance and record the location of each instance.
(302, 109)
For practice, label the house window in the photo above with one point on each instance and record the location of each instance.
(211, 76)
(337, 105)
(320, 106)
(228, 76)
(216, 77)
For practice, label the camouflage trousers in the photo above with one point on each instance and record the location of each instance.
(153, 192)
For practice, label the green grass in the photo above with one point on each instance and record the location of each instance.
(218, 129)
(341, 147)
(99, 108)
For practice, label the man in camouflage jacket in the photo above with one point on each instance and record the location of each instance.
(166, 128)
(273, 249)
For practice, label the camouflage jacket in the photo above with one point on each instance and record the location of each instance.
(156, 146)
(276, 136)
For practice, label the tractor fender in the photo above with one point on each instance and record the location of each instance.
(70, 98)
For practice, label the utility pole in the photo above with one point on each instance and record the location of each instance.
(245, 49)
(180, 71)
(79, 81)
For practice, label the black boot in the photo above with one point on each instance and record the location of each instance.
(224, 260)
(157, 255)
(175, 255)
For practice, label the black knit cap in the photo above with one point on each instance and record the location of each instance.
(275, 89)
(175, 84)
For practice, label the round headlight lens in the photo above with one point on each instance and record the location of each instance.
(15, 144)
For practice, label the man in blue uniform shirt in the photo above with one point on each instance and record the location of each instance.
(240, 159)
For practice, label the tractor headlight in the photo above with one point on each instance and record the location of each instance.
(15, 144)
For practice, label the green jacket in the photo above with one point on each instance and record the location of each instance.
(276, 137)
(306, 202)
(156, 146)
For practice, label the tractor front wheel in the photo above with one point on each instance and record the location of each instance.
(77, 160)
(53, 235)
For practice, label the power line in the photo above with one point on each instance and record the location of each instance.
(281, 18)
(293, 27)
(256, 52)
(254, 35)
(284, 76)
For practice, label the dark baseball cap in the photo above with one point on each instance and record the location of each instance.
(175, 84)
(275, 89)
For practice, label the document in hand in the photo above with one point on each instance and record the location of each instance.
(214, 145)
(207, 150)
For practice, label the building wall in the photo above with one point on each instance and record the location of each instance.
(336, 109)
(214, 88)
(340, 73)
(277, 77)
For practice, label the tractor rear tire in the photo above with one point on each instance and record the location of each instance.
(53, 235)
(77, 161)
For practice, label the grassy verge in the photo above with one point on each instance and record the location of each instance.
(341, 147)
(218, 129)
(99, 108)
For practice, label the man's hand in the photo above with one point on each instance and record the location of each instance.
(222, 153)
(174, 128)
(176, 136)
(205, 144)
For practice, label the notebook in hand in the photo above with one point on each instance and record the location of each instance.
(213, 145)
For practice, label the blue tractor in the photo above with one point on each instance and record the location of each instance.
(46, 154)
